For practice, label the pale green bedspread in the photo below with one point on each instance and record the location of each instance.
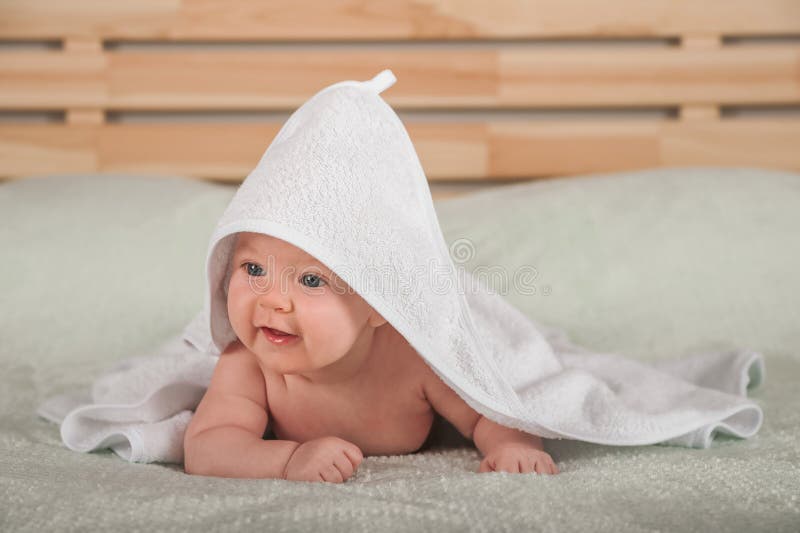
(651, 264)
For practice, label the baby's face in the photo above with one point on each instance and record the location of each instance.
(275, 284)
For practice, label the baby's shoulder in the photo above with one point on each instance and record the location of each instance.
(409, 363)
(237, 373)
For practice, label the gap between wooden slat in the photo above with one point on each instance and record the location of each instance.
(85, 116)
(81, 46)
(705, 111)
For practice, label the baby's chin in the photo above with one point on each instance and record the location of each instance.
(286, 360)
(290, 364)
(269, 364)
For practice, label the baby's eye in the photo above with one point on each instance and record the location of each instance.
(315, 280)
(252, 271)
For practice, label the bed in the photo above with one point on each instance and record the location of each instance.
(643, 158)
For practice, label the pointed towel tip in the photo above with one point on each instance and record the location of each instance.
(382, 81)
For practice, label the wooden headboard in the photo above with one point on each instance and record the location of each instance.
(489, 91)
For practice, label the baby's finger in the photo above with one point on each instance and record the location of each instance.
(344, 466)
(508, 465)
(331, 474)
(485, 466)
(540, 466)
(527, 465)
(548, 464)
(354, 455)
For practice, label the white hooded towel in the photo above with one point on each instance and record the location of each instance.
(342, 181)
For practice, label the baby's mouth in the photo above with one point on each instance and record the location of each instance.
(279, 332)
(278, 337)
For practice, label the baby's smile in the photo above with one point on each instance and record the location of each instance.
(278, 337)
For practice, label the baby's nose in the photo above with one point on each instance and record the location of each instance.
(275, 299)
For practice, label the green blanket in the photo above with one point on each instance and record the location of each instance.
(651, 264)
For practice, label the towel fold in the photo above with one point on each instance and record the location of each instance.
(342, 181)
(140, 408)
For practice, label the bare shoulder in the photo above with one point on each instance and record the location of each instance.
(419, 373)
(428, 378)
(238, 373)
(445, 401)
(414, 372)
(236, 395)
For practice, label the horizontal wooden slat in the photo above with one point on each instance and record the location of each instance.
(510, 77)
(468, 151)
(236, 20)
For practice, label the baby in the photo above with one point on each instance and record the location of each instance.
(333, 378)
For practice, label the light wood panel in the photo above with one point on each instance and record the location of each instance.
(511, 77)
(282, 20)
(468, 151)
(488, 63)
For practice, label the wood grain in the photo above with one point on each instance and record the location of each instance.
(447, 151)
(510, 57)
(508, 78)
(353, 20)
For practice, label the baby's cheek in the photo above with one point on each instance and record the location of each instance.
(330, 343)
(330, 340)
(237, 309)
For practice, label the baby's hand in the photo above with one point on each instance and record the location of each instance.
(517, 458)
(325, 459)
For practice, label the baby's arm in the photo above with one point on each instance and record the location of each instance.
(224, 437)
(504, 449)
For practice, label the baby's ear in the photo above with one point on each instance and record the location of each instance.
(376, 320)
